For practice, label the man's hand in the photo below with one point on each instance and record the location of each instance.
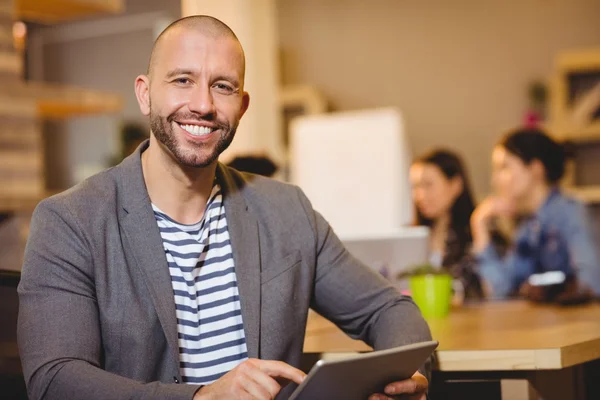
(414, 388)
(252, 379)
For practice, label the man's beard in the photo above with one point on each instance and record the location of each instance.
(190, 154)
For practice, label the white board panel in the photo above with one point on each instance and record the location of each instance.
(353, 166)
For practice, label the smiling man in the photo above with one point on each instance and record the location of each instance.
(172, 276)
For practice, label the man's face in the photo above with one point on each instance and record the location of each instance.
(196, 98)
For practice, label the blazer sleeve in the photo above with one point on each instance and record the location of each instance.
(356, 298)
(58, 327)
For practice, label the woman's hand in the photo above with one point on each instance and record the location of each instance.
(573, 292)
(491, 207)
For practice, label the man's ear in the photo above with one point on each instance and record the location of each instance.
(245, 104)
(142, 92)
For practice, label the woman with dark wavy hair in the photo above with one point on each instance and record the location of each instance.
(444, 203)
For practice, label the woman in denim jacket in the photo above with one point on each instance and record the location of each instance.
(553, 231)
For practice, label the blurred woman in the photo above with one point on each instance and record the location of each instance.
(551, 233)
(443, 201)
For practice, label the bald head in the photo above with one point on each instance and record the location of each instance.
(194, 90)
(206, 25)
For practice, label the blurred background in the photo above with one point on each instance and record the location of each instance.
(460, 72)
(454, 74)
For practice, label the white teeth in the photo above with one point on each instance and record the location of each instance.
(196, 129)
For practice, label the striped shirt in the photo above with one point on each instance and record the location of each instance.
(209, 319)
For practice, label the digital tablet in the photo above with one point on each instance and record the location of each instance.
(358, 377)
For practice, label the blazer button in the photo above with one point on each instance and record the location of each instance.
(175, 379)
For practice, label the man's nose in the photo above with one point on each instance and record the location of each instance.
(202, 101)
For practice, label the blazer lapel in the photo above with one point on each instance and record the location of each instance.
(145, 244)
(243, 230)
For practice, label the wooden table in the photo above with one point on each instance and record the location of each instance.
(546, 343)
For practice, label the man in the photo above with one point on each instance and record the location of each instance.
(172, 268)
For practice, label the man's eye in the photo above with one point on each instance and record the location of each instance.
(182, 81)
(223, 87)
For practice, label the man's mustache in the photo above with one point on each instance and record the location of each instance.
(208, 118)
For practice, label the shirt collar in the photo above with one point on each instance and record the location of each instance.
(547, 205)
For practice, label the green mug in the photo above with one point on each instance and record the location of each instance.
(432, 293)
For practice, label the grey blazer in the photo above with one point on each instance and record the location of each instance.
(97, 313)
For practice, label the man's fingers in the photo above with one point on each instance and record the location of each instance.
(267, 386)
(417, 384)
(379, 396)
(256, 382)
(278, 369)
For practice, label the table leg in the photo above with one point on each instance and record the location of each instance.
(517, 389)
(564, 384)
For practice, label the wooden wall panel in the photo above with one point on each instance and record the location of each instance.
(21, 158)
(11, 64)
(7, 8)
(21, 150)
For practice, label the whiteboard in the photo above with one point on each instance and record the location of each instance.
(353, 166)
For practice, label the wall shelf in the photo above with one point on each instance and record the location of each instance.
(587, 194)
(572, 108)
(17, 204)
(58, 101)
(9, 205)
(55, 11)
(588, 133)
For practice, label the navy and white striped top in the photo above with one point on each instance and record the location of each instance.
(209, 317)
